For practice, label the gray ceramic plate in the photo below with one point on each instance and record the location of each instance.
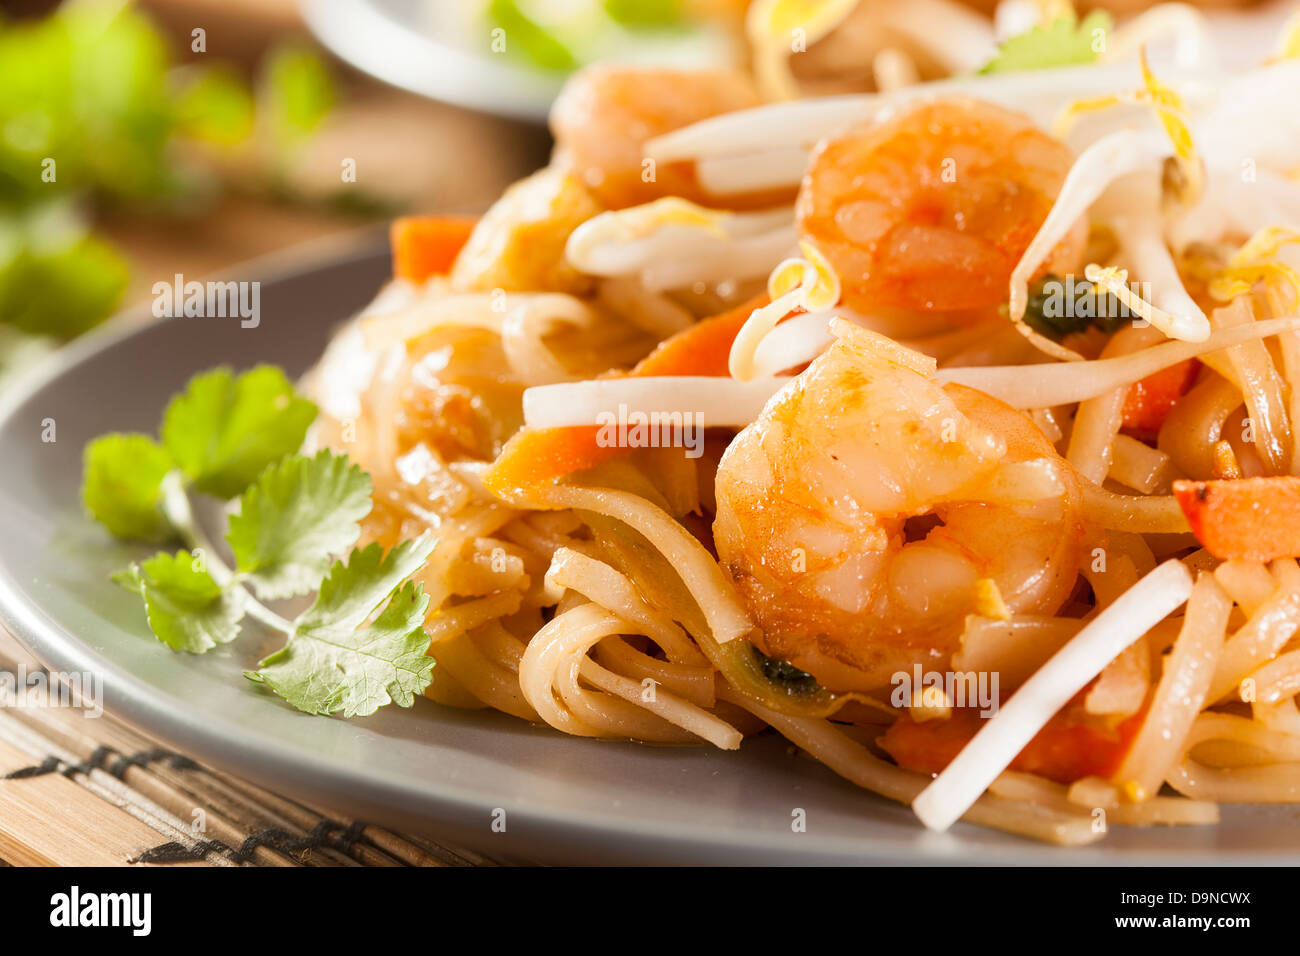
(439, 770)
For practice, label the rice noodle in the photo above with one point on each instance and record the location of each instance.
(1261, 388)
(1270, 783)
(1195, 426)
(1262, 636)
(1279, 679)
(522, 319)
(549, 672)
(489, 682)
(692, 682)
(607, 587)
(1097, 421)
(1137, 465)
(1092, 794)
(1142, 514)
(1044, 386)
(1248, 583)
(717, 600)
(1181, 693)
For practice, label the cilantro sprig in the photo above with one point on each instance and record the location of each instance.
(361, 644)
(1063, 41)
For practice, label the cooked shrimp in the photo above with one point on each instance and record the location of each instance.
(931, 208)
(867, 510)
(605, 115)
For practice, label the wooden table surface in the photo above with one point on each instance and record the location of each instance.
(82, 791)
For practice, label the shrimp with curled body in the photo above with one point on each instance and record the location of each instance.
(868, 510)
(929, 210)
(606, 114)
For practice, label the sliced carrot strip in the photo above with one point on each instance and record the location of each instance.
(536, 457)
(1072, 745)
(1255, 519)
(1150, 400)
(703, 349)
(426, 246)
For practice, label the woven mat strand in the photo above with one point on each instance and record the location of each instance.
(95, 792)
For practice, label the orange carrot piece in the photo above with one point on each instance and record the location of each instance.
(426, 246)
(1150, 400)
(536, 457)
(702, 349)
(1255, 519)
(1072, 745)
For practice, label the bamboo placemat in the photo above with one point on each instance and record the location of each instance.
(80, 792)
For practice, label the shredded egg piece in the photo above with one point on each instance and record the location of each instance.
(1256, 262)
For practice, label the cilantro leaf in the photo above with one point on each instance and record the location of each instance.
(350, 593)
(122, 487)
(1063, 42)
(187, 609)
(538, 45)
(331, 664)
(223, 431)
(296, 516)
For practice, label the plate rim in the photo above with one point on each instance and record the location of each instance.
(503, 89)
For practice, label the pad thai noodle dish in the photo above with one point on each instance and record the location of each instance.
(949, 429)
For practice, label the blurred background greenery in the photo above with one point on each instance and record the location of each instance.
(138, 140)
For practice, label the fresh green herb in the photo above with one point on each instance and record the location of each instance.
(222, 430)
(530, 39)
(1058, 307)
(123, 485)
(334, 662)
(645, 14)
(187, 609)
(293, 517)
(1063, 42)
(91, 110)
(361, 644)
